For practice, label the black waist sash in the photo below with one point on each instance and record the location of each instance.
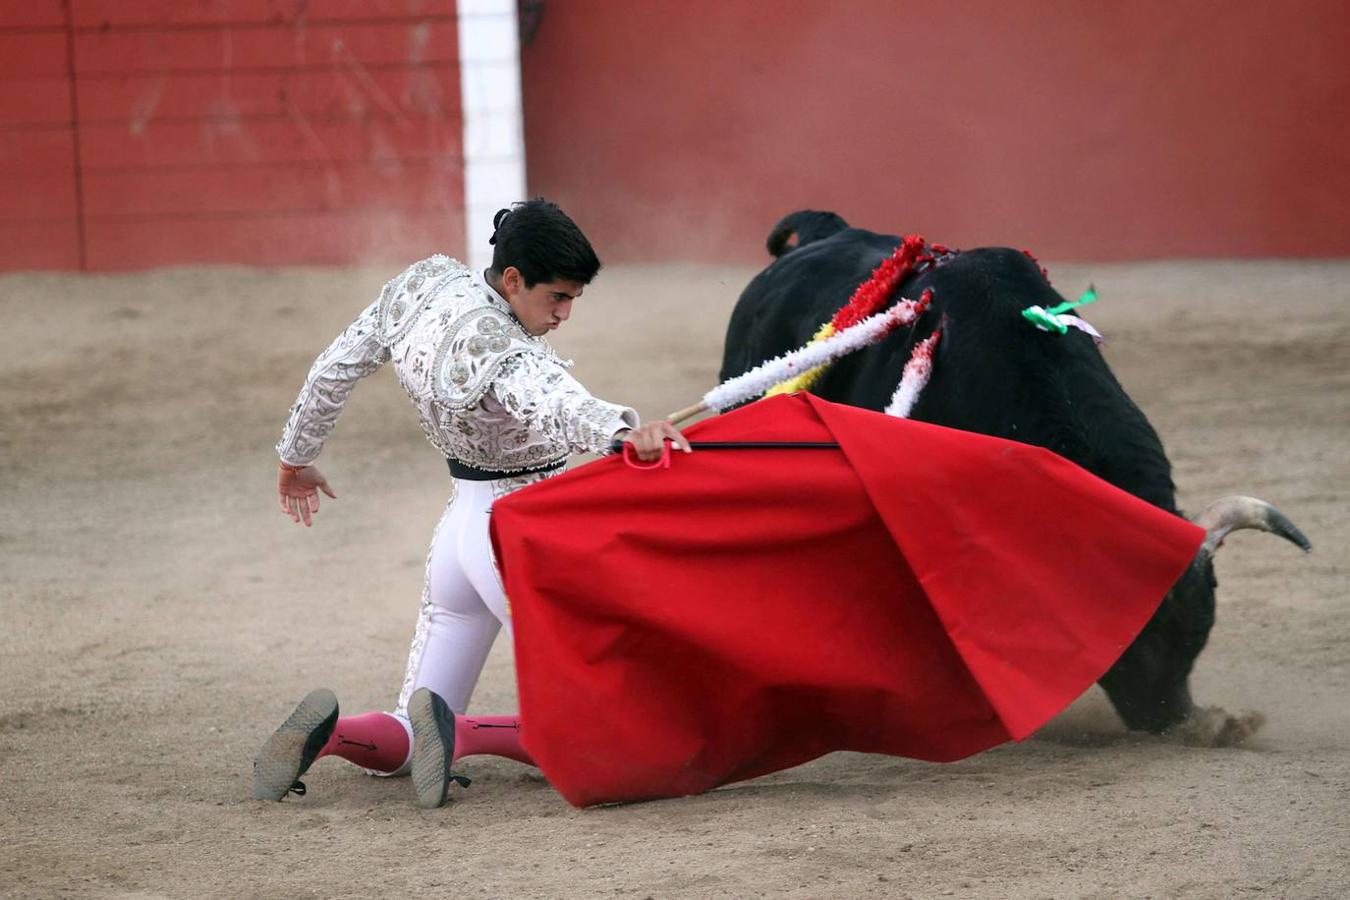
(473, 473)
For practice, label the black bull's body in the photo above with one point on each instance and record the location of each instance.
(995, 373)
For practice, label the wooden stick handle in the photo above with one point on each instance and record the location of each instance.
(687, 413)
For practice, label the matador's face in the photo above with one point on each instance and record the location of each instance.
(543, 307)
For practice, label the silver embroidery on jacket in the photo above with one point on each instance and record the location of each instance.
(472, 351)
(405, 297)
(517, 408)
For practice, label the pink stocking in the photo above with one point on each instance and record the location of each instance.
(373, 740)
(491, 735)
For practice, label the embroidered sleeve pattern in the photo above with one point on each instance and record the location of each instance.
(356, 353)
(536, 390)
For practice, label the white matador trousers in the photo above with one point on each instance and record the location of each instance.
(463, 604)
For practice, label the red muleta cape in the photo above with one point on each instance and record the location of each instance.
(921, 591)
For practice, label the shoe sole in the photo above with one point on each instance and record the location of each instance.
(433, 727)
(291, 749)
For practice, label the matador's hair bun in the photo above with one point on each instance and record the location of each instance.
(497, 223)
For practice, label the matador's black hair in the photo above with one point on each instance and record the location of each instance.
(542, 242)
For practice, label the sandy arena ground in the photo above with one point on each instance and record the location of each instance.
(160, 617)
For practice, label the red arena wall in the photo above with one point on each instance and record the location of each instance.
(136, 133)
(684, 128)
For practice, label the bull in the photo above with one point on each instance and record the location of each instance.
(995, 374)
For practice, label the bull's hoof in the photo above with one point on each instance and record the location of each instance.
(1212, 726)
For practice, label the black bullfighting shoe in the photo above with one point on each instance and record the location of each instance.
(292, 748)
(433, 728)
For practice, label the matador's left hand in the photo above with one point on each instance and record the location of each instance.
(298, 492)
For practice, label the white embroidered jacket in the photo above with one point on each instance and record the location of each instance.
(489, 394)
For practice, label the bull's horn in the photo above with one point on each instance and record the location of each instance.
(1229, 514)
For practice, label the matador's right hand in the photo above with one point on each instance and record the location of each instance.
(298, 491)
(649, 439)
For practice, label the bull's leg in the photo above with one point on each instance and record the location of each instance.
(1146, 693)
(1150, 684)
(1165, 707)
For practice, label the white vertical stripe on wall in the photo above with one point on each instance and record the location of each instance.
(494, 135)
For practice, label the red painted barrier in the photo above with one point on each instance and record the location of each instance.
(33, 14)
(35, 101)
(321, 238)
(39, 197)
(407, 185)
(181, 13)
(424, 91)
(24, 151)
(39, 245)
(266, 48)
(32, 54)
(1094, 131)
(211, 143)
(139, 133)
